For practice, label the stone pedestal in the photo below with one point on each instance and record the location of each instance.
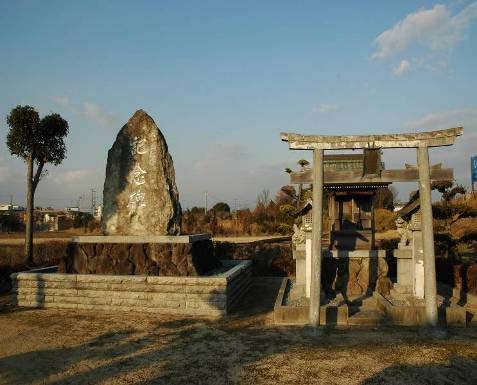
(404, 268)
(409, 255)
(188, 255)
(355, 272)
(302, 256)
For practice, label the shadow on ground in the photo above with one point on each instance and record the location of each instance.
(86, 348)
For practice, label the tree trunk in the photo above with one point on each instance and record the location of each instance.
(28, 260)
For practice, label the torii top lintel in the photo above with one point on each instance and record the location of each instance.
(419, 139)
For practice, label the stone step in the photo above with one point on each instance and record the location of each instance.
(366, 318)
(366, 303)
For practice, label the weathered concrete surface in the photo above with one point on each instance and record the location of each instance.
(140, 195)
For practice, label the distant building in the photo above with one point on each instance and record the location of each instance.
(98, 213)
(10, 208)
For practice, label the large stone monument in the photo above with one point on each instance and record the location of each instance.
(141, 214)
(140, 195)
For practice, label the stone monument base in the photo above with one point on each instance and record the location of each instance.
(187, 255)
(213, 296)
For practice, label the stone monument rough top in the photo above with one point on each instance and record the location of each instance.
(140, 195)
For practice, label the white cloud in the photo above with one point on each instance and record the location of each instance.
(434, 29)
(324, 108)
(89, 110)
(63, 101)
(221, 157)
(97, 114)
(403, 67)
(428, 34)
(71, 176)
(445, 119)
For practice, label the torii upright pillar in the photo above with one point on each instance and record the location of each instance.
(430, 285)
(317, 235)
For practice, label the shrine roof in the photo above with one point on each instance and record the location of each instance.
(411, 207)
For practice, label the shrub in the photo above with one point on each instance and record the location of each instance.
(445, 245)
(384, 220)
(284, 229)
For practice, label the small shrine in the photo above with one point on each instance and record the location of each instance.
(349, 226)
(348, 262)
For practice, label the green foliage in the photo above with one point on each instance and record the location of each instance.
(286, 209)
(447, 189)
(286, 195)
(196, 210)
(445, 245)
(11, 222)
(23, 122)
(221, 207)
(384, 199)
(82, 220)
(441, 186)
(35, 141)
(268, 218)
(43, 139)
(451, 210)
(284, 229)
(468, 237)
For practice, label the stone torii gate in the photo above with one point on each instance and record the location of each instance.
(421, 141)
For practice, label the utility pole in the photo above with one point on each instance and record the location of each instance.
(11, 200)
(205, 203)
(236, 213)
(93, 201)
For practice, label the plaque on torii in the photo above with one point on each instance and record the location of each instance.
(422, 173)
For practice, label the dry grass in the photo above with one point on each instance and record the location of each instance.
(71, 347)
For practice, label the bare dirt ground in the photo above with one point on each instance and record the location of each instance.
(72, 347)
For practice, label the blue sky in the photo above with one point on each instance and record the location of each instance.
(223, 79)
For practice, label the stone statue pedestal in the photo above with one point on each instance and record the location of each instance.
(302, 257)
(155, 255)
(409, 255)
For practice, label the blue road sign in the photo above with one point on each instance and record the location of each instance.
(473, 168)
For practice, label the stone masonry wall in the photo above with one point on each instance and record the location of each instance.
(270, 258)
(356, 276)
(212, 296)
(156, 259)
